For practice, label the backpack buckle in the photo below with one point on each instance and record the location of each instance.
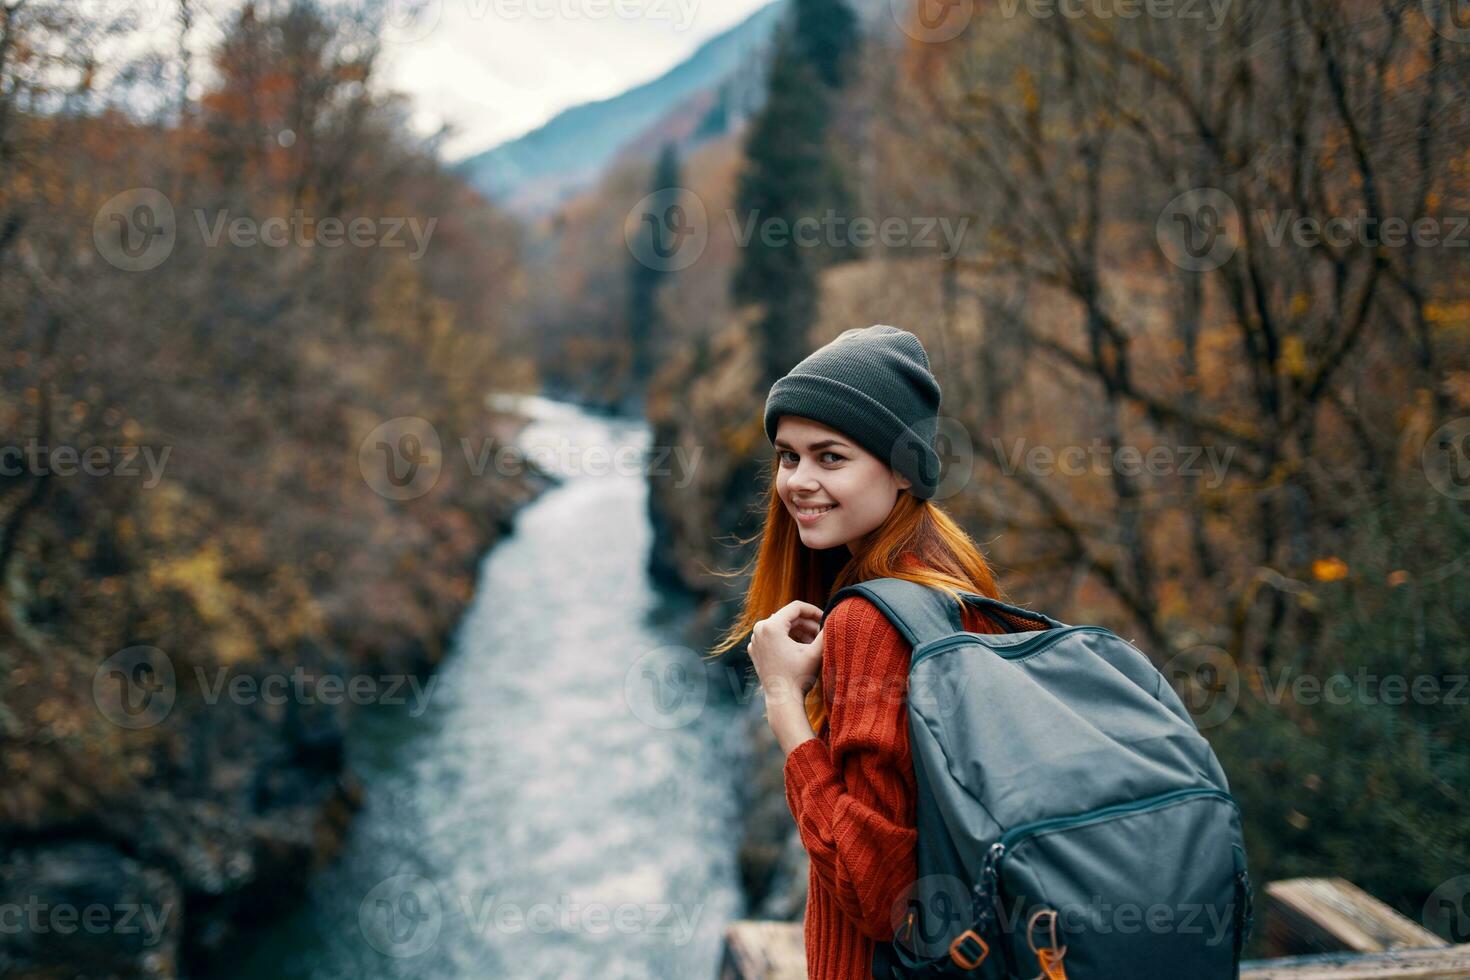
(971, 939)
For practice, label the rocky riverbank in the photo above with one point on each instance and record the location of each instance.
(139, 846)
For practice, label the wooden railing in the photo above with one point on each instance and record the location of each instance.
(1316, 929)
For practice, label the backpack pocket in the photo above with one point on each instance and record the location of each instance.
(1145, 890)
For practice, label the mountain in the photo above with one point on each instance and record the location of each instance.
(717, 83)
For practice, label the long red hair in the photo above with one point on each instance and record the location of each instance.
(918, 541)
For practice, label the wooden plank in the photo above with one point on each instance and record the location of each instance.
(1325, 915)
(1444, 963)
(759, 950)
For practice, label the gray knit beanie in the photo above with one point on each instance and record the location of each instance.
(874, 385)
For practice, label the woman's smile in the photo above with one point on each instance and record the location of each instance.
(810, 515)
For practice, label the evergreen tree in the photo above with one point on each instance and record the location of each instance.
(645, 280)
(790, 174)
(827, 33)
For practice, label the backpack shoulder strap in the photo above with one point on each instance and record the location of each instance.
(919, 612)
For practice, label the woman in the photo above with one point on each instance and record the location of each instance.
(853, 427)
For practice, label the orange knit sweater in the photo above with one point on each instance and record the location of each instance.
(851, 790)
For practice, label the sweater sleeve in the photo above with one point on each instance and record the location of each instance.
(853, 795)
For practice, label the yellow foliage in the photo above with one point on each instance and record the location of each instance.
(1293, 360)
(200, 576)
(1448, 317)
(1030, 98)
(1329, 569)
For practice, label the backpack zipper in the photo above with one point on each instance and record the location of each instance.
(990, 885)
(1014, 652)
(1009, 838)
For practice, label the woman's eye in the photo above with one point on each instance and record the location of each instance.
(789, 456)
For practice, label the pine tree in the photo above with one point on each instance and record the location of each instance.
(790, 174)
(645, 281)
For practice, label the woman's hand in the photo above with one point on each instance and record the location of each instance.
(786, 651)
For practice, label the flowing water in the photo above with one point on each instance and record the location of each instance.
(555, 808)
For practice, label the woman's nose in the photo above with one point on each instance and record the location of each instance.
(803, 478)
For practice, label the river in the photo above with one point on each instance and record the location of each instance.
(556, 808)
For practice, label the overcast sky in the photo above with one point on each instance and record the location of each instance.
(497, 68)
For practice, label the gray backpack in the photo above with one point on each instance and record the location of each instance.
(1072, 820)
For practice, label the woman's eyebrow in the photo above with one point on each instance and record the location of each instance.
(783, 444)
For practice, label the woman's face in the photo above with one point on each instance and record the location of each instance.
(822, 468)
